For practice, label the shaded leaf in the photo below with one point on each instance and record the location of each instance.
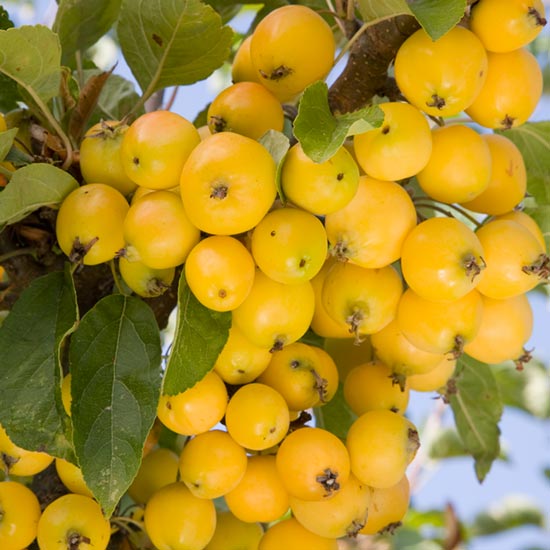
(278, 145)
(31, 56)
(81, 23)
(9, 94)
(477, 409)
(335, 416)
(31, 340)
(31, 187)
(533, 140)
(437, 17)
(371, 10)
(171, 42)
(446, 444)
(6, 141)
(225, 8)
(321, 133)
(528, 390)
(508, 513)
(199, 337)
(5, 21)
(115, 358)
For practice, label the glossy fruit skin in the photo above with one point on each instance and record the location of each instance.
(435, 379)
(528, 222)
(275, 314)
(291, 48)
(301, 376)
(100, 159)
(157, 469)
(144, 280)
(506, 326)
(508, 182)
(223, 195)
(381, 445)
(363, 299)
(441, 77)
(246, 108)
(439, 327)
(459, 167)
(220, 272)
(442, 259)
(343, 514)
(155, 148)
(176, 519)
(18, 461)
(313, 464)
(158, 232)
(387, 508)
(506, 25)
(93, 214)
(212, 464)
(233, 534)
(241, 361)
(66, 397)
(289, 245)
(257, 416)
(197, 409)
(292, 535)
(73, 516)
(260, 495)
(19, 515)
(319, 187)
(511, 250)
(242, 69)
(72, 478)
(399, 148)
(511, 91)
(371, 386)
(369, 231)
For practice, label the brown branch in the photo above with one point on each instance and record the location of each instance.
(366, 72)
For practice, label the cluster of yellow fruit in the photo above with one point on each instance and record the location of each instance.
(333, 258)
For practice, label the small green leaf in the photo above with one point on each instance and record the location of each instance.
(335, 416)
(31, 187)
(477, 409)
(31, 340)
(199, 337)
(371, 10)
(321, 133)
(115, 358)
(528, 390)
(278, 145)
(438, 17)
(81, 23)
(171, 42)
(446, 444)
(509, 513)
(6, 141)
(31, 55)
(5, 21)
(533, 140)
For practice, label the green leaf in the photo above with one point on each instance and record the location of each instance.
(446, 444)
(81, 23)
(6, 141)
(437, 17)
(335, 416)
(31, 187)
(5, 21)
(371, 10)
(509, 513)
(115, 358)
(171, 42)
(321, 133)
(527, 390)
(31, 340)
(477, 409)
(199, 337)
(533, 140)
(227, 10)
(31, 55)
(278, 145)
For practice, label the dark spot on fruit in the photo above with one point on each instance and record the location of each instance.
(340, 176)
(273, 233)
(135, 160)
(385, 130)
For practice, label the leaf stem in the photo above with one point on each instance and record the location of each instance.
(17, 252)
